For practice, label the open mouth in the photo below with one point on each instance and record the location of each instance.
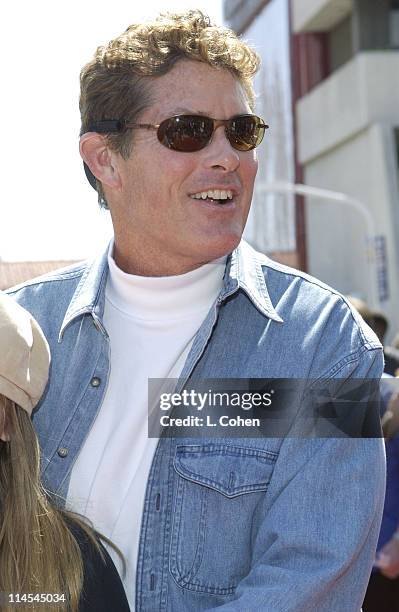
(215, 196)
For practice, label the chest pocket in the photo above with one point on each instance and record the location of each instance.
(219, 490)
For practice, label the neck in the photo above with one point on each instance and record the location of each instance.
(154, 264)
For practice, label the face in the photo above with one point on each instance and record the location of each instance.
(160, 228)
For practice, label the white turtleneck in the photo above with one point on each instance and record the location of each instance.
(151, 322)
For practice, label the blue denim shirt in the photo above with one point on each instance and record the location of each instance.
(296, 528)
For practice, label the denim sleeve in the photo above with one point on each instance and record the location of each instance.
(316, 538)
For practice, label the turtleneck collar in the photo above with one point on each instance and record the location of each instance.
(164, 297)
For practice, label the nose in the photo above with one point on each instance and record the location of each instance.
(220, 154)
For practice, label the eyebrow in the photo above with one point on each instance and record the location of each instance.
(189, 111)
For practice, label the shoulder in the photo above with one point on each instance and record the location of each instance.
(58, 282)
(317, 319)
(46, 281)
(304, 297)
(79, 282)
(47, 297)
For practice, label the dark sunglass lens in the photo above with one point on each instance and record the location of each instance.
(245, 132)
(186, 133)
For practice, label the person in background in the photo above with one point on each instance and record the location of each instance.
(395, 342)
(382, 593)
(43, 550)
(391, 353)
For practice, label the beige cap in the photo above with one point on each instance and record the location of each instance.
(24, 355)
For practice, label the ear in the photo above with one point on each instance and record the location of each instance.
(100, 159)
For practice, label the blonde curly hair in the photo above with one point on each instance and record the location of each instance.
(114, 85)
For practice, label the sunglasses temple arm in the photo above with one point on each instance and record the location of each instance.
(146, 126)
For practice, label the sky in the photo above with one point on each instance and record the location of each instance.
(47, 208)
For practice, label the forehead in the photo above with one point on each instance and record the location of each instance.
(196, 87)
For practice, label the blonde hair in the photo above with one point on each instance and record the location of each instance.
(115, 84)
(38, 552)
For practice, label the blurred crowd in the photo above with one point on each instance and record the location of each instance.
(383, 590)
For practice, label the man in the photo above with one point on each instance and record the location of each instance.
(246, 524)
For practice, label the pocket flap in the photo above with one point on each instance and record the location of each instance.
(231, 470)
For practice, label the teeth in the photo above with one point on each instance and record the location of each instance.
(215, 194)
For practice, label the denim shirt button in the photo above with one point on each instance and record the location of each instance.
(62, 452)
(95, 381)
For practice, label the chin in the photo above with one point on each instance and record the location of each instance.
(220, 247)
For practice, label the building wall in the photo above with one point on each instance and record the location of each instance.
(346, 142)
(340, 44)
(360, 93)
(240, 13)
(364, 168)
(319, 15)
(271, 223)
(346, 132)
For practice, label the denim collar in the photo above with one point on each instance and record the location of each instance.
(243, 271)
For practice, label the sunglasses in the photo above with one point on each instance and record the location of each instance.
(190, 133)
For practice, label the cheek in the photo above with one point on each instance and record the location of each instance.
(175, 168)
(249, 168)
